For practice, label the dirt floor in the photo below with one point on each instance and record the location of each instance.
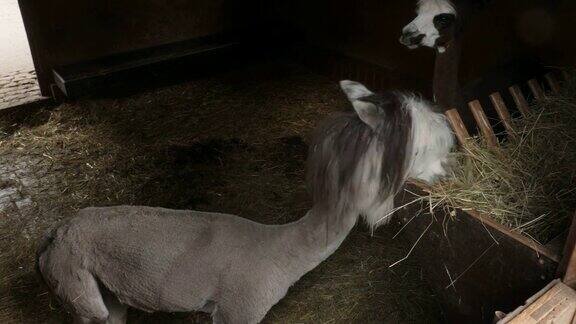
(234, 143)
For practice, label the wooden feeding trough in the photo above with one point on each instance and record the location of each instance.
(475, 265)
(556, 302)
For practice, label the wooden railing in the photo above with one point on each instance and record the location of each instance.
(486, 131)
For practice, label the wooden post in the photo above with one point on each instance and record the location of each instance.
(567, 266)
(536, 89)
(519, 100)
(551, 79)
(483, 123)
(457, 125)
(503, 112)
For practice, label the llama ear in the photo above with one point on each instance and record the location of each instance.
(354, 90)
(368, 112)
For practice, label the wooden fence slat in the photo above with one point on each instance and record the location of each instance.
(567, 266)
(519, 100)
(552, 82)
(503, 112)
(457, 125)
(536, 89)
(483, 123)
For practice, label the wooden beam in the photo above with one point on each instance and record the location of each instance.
(536, 89)
(567, 266)
(503, 113)
(89, 76)
(457, 125)
(519, 100)
(483, 123)
(552, 82)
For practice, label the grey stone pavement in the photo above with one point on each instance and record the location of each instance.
(18, 83)
(15, 179)
(18, 88)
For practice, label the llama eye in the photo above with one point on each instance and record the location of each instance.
(443, 20)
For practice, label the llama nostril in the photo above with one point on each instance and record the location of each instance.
(404, 39)
(411, 39)
(416, 40)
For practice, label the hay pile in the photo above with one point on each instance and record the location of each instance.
(529, 184)
(234, 143)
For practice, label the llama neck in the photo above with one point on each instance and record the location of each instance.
(319, 233)
(446, 85)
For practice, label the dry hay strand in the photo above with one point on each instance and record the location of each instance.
(225, 143)
(529, 183)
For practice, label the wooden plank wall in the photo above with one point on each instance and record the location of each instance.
(63, 32)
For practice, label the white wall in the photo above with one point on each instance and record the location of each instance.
(14, 49)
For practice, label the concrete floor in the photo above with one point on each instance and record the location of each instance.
(14, 48)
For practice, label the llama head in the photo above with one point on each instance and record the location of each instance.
(404, 123)
(435, 25)
(359, 160)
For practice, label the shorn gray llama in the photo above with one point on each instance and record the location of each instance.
(107, 259)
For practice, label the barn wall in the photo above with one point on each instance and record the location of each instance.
(369, 29)
(65, 31)
(366, 29)
(510, 29)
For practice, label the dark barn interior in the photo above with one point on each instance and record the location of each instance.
(209, 105)
(504, 34)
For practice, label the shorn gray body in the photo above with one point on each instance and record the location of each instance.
(157, 259)
(154, 259)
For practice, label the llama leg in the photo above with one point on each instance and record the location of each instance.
(240, 314)
(225, 316)
(220, 317)
(209, 307)
(83, 298)
(83, 320)
(117, 311)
